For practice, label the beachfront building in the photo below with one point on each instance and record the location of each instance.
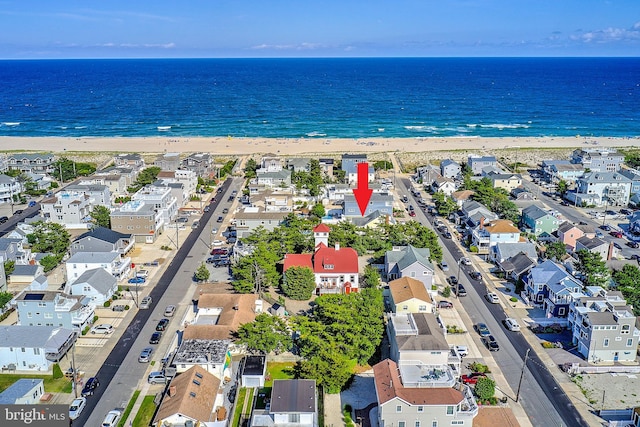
(539, 221)
(199, 163)
(326, 167)
(34, 348)
(141, 220)
(299, 164)
(382, 202)
(350, 167)
(31, 162)
(450, 168)
(160, 198)
(598, 159)
(111, 262)
(9, 187)
(603, 326)
(132, 160)
(52, 308)
(602, 188)
(335, 269)
(478, 163)
(4, 163)
(412, 394)
(168, 161)
(506, 181)
(554, 171)
(69, 208)
(634, 176)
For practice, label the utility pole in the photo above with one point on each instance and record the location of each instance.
(74, 374)
(524, 365)
(458, 281)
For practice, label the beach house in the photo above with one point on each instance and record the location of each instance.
(142, 220)
(52, 308)
(539, 221)
(68, 208)
(598, 159)
(601, 188)
(31, 162)
(409, 261)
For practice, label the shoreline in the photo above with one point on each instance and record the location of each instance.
(297, 146)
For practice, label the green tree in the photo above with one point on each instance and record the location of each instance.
(371, 277)
(65, 169)
(328, 366)
(49, 262)
(9, 266)
(49, 237)
(258, 270)
(563, 187)
(202, 273)
(593, 269)
(101, 216)
(145, 177)
(265, 335)
(5, 297)
(485, 388)
(444, 204)
(250, 168)
(383, 165)
(555, 250)
(299, 283)
(628, 282)
(318, 210)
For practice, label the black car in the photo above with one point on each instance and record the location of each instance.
(475, 275)
(162, 325)
(90, 386)
(220, 219)
(605, 227)
(225, 210)
(18, 212)
(452, 279)
(491, 343)
(155, 337)
(3, 219)
(634, 245)
(459, 290)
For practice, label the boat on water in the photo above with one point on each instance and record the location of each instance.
(164, 128)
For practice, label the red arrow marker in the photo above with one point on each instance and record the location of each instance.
(362, 192)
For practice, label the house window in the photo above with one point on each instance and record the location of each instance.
(434, 424)
(625, 329)
(36, 351)
(405, 307)
(401, 424)
(606, 342)
(398, 408)
(422, 308)
(457, 423)
(23, 349)
(561, 311)
(48, 315)
(630, 342)
(420, 408)
(450, 410)
(417, 423)
(413, 274)
(294, 418)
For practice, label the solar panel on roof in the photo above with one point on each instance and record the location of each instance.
(34, 297)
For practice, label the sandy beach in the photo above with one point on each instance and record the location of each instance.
(298, 146)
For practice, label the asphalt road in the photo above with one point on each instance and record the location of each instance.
(121, 366)
(15, 219)
(543, 400)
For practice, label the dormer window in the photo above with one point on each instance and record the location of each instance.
(328, 266)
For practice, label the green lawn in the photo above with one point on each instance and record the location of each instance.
(128, 409)
(278, 371)
(238, 408)
(146, 411)
(60, 385)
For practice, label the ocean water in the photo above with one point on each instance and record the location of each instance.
(322, 98)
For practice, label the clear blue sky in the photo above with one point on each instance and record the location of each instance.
(309, 28)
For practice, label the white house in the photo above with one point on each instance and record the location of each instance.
(111, 262)
(96, 284)
(33, 348)
(69, 208)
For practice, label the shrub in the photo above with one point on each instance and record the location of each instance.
(485, 388)
(513, 299)
(446, 292)
(126, 307)
(57, 372)
(107, 304)
(453, 329)
(473, 249)
(479, 367)
(95, 319)
(85, 330)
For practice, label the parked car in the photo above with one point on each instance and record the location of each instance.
(617, 245)
(491, 343)
(599, 235)
(219, 251)
(462, 350)
(220, 219)
(137, 280)
(103, 328)
(32, 203)
(142, 273)
(170, 310)
(634, 245)
(162, 324)
(447, 235)
(225, 210)
(155, 337)
(616, 234)
(475, 275)
(412, 213)
(482, 330)
(156, 377)
(76, 407)
(444, 266)
(511, 324)
(207, 209)
(452, 279)
(145, 355)
(145, 303)
(492, 298)
(459, 290)
(3, 219)
(217, 243)
(112, 418)
(444, 304)
(18, 211)
(182, 219)
(472, 378)
(90, 386)
(605, 227)
(118, 307)
(465, 261)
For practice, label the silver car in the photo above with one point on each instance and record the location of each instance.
(145, 355)
(145, 303)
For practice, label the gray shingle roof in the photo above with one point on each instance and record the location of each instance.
(47, 337)
(105, 234)
(19, 389)
(99, 279)
(93, 257)
(410, 255)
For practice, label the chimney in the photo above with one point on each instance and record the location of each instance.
(337, 246)
(481, 223)
(610, 251)
(172, 391)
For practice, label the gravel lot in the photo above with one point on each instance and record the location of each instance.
(621, 391)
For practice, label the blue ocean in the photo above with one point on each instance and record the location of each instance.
(323, 98)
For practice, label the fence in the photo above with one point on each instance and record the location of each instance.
(574, 368)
